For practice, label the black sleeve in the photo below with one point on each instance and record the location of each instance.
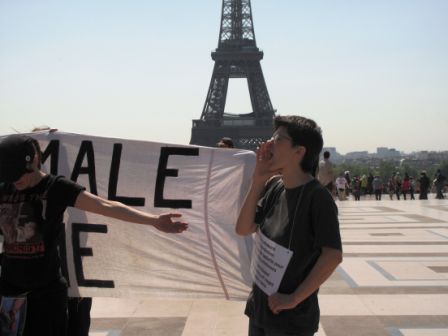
(66, 191)
(324, 216)
(261, 206)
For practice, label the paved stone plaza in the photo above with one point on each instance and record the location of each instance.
(393, 281)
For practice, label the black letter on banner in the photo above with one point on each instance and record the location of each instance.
(163, 172)
(53, 151)
(79, 251)
(113, 181)
(86, 147)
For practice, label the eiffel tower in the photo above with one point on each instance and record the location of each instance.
(237, 56)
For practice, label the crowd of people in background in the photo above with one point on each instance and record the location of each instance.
(397, 187)
(372, 185)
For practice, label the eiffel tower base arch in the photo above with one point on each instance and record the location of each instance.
(243, 137)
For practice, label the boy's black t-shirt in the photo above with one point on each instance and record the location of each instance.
(31, 222)
(316, 226)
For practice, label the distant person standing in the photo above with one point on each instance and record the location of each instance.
(363, 182)
(341, 186)
(325, 174)
(439, 182)
(391, 187)
(369, 184)
(424, 185)
(226, 142)
(377, 186)
(397, 182)
(412, 187)
(405, 185)
(356, 188)
(349, 182)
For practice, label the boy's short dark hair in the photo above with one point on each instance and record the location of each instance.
(326, 154)
(303, 132)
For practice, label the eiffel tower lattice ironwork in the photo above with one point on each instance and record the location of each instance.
(237, 56)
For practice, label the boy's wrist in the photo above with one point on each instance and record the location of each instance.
(258, 184)
(296, 298)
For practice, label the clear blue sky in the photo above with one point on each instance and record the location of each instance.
(371, 72)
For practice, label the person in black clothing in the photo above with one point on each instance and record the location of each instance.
(349, 183)
(356, 188)
(370, 184)
(31, 268)
(78, 307)
(78, 323)
(293, 213)
(424, 185)
(439, 183)
(398, 181)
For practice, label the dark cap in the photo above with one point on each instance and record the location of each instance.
(16, 155)
(225, 142)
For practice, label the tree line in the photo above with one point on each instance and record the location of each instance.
(387, 168)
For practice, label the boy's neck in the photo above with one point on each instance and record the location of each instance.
(295, 178)
(37, 176)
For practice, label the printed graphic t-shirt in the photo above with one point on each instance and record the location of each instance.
(31, 222)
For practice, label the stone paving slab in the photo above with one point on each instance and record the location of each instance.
(393, 281)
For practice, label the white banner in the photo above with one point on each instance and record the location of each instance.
(107, 257)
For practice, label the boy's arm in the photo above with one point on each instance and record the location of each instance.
(328, 261)
(245, 224)
(95, 204)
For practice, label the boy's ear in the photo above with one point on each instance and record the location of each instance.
(301, 150)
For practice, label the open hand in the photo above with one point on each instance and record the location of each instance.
(167, 223)
(263, 170)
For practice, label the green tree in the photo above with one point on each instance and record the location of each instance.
(412, 171)
(354, 169)
(386, 169)
(444, 168)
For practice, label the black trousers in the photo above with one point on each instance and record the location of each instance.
(47, 314)
(255, 330)
(378, 194)
(423, 194)
(79, 316)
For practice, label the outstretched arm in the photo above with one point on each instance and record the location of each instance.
(166, 222)
(324, 267)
